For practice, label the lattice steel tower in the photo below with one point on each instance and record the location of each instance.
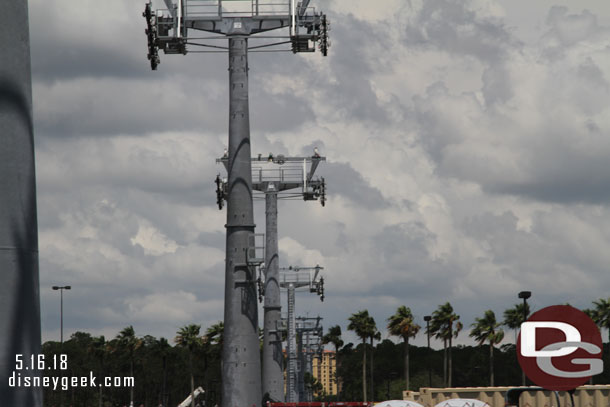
(309, 334)
(238, 20)
(277, 177)
(309, 345)
(292, 279)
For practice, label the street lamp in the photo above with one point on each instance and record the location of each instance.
(61, 307)
(525, 295)
(427, 318)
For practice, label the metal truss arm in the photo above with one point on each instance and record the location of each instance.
(303, 7)
(170, 7)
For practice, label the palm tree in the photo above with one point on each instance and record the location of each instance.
(360, 324)
(602, 314)
(445, 325)
(214, 338)
(374, 334)
(215, 334)
(486, 329)
(188, 337)
(593, 314)
(313, 385)
(162, 347)
(98, 348)
(513, 317)
(127, 339)
(402, 324)
(334, 336)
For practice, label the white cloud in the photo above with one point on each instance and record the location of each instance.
(153, 242)
(465, 145)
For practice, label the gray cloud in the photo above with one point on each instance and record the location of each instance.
(527, 138)
(463, 165)
(566, 30)
(455, 27)
(343, 180)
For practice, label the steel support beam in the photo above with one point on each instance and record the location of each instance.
(19, 286)
(273, 372)
(301, 369)
(291, 376)
(241, 371)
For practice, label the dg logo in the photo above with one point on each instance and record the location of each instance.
(560, 348)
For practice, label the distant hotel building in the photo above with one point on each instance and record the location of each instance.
(324, 370)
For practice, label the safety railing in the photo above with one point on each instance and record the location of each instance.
(281, 174)
(294, 277)
(197, 9)
(213, 9)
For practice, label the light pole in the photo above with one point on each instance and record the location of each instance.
(525, 295)
(427, 318)
(61, 308)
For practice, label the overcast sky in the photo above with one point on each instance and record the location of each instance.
(468, 158)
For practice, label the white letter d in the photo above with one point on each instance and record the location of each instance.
(528, 338)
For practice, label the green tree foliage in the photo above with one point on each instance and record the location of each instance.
(374, 335)
(602, 314)
(313, 385)
(445, 325)
(188, 337)
(360, 323)
(486, 329)
(156, 363)
(127, 340)
(98, 348)
(402, 324)
(215, 334)
(158, 370)
(513, 317)
(334, 336)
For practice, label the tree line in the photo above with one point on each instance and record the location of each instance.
(436, 368)
(163, 374)
(167, 371)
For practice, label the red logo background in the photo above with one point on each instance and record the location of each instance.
(589, 332)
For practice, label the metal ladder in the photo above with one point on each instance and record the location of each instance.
(292, 348)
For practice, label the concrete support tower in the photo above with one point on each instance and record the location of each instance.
(238, 21)
(241, 362)
(290, 175)
(278, 177)
(273, 372)
(19, 286)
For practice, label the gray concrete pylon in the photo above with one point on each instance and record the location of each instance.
(241, 368)
(19, 285)
(273, 372)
